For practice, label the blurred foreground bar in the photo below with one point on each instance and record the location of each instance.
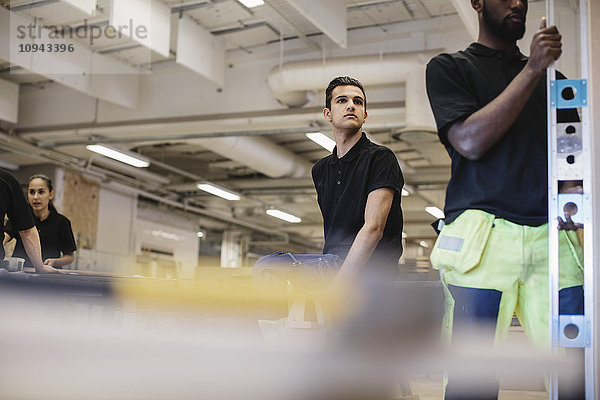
(75, 336)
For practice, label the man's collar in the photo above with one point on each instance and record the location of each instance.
(353, 152)
(482, 50)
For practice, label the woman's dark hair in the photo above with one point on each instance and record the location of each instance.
(48, 183)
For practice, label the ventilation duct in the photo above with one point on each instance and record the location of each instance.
(420, 124)
(292, 83)
(259, 154)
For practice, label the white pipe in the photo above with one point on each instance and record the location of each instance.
(259, 154)
(291, 83)
(420, 125)
(467, 16)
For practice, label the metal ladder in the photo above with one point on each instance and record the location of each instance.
(570, 158)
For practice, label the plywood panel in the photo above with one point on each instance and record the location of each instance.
(80, 205)
(115, 206)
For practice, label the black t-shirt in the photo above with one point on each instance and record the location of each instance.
(56, 237)
(13, 204)
(510, 180)
(343, 185)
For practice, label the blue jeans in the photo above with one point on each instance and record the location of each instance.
(296, 268)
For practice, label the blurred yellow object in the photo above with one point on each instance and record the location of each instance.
(224, 291)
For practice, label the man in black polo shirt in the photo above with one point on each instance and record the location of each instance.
(13, 204)
(359, 190)
(489, 103)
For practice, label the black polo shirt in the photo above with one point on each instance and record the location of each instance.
(13, 204)
(56, 237)
(510, 180)
(343, 185)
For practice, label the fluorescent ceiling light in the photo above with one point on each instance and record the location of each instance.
(436, 212)
(252, 3)
(217, 191)
(200, 234)
(124, 156)
(423, 243)
(322, 140)
(405, 192)
(284, 216)
(139, 173)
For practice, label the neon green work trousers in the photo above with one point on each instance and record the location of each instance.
(480, 251)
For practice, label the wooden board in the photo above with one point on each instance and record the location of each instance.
(80, 205)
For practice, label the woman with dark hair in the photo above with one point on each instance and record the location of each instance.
(56, 235)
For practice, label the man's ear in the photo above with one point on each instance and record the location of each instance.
(327, 114)
(366, 114)
(477, 5)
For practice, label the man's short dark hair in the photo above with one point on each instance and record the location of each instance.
(342, 81)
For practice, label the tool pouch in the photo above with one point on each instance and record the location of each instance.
(460, 243)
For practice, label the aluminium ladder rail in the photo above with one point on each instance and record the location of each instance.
(570, 158)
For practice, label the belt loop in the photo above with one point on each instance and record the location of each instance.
(295, 261)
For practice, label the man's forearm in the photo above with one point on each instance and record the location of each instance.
(475, 135)
(31, 243)
(362, 248)
(377, 209)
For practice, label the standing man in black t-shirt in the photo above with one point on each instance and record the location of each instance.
(359, 189)
(13, 204)
(489, 103)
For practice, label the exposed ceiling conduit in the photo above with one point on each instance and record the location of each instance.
(243, 146)
(292, 83)
(259, 154)
(139, 173)
(172, 123)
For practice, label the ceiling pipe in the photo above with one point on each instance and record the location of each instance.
(467, 16)
(139, 173)
(259, 154)
(417, 112)
(160, 137)
(17, 145)
(292, 83)
(32, 132)
(242, 146)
